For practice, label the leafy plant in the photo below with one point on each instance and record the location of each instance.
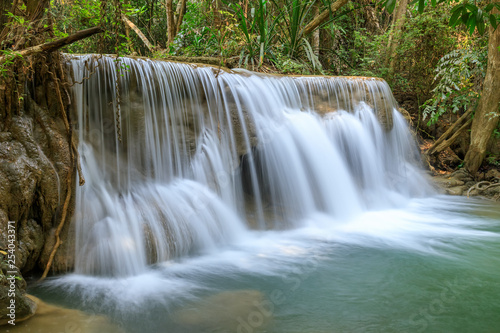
(294, 15)
(459, 74)
(259, 31)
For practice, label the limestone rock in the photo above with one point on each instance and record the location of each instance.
(12, 294)
(34, 163)
(447, 181)
(456, 190)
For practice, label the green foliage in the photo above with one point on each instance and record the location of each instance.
(6, 65)
(472, 14)
(289, 66)
(196, 37)
(459, 74)
(258, 30)
(493, 159)
(82, 14)
(424, 40)
(294, 16)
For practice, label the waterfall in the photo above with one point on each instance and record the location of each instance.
(182, 159)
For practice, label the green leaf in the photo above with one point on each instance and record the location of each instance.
(471, 23)
(433, 3)
(421, 6)
(454, 18)
(479, 15)
(480, 26)
(465, 16)
(457, 8)
(493, 21)
(472, 8)
(489, 7)
(390, 5)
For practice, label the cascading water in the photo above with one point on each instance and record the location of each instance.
(180, 159)
(216, 201)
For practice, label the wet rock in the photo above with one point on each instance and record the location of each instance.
(456, 190)
(462, 175)
(492, 174)
(14, 305)
(30, 244)
(447, 181)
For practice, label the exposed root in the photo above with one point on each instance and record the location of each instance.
(73, 153)
(484, 185)
(60, 226)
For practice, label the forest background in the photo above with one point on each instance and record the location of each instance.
(434, 54)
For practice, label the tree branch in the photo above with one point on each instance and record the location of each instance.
(55, 45)
(321, 18)
(181, 10)
(139, 33)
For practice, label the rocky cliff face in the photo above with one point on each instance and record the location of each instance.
(34, 164)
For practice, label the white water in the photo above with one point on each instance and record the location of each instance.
(204, 157)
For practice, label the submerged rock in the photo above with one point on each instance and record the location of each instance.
(51, 319)
(229, 311)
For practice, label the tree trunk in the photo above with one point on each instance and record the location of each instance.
(323, 17)
(315, 36)
(181, 10)
(394, 35)
(170, 22)
(487, 114)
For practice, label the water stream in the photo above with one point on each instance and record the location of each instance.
(234, 202)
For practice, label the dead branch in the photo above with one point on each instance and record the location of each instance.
(139, 33)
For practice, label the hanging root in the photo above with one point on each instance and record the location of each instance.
(76, 154)
(59, 227)
(73, 155)
(483, 186)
